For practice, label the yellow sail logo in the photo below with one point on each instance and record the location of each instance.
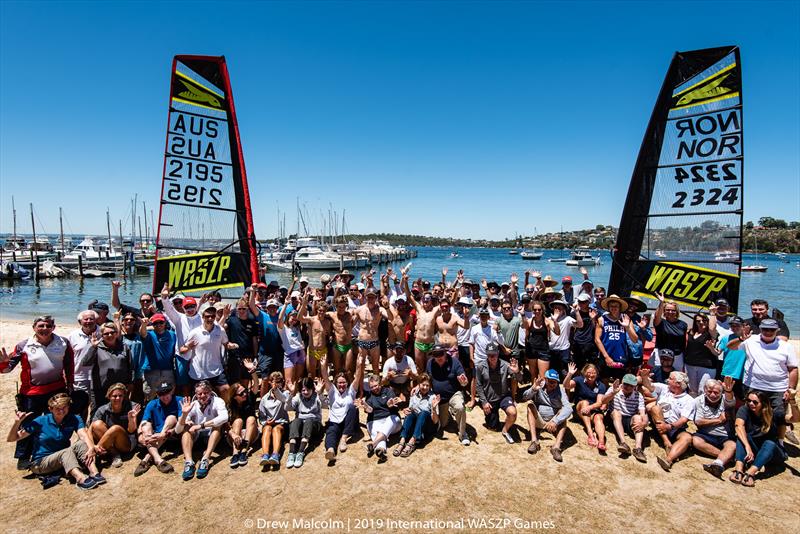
(685, 283)
(201, 271)
(195, 93)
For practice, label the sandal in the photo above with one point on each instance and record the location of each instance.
(748, 480)
(399, 449)
(408, 449)
(736, 477)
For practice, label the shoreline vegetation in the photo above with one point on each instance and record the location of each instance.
(769, 235)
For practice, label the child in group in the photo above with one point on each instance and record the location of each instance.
(420, 417)
(307, 423)
(273, 418)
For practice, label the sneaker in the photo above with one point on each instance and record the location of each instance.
(23, 464)
(266, 459)
(534, 447)
(87, 484)
(116, 463)
(234, 460)
(165, 467)
(714, 469)
(202, 468)
(242, 459)
(370, 449)
(639, 455)
(624, 448)
(100, 479)
(508, 437)
(290, 460)
(275, 459)
(465, 440)
(664, 463)
(142, 468)
(330, 455)
(556, 452)
(791, 437)
(298, 459)
(188, 470)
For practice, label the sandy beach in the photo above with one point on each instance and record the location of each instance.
(489, 483)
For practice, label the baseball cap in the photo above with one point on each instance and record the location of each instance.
(398, 345)
(189, 301)
(261, 285)
(584, 297)
(401, 296)
(157, 317)
(98, 306)
(551, 374)
(372, 291)
(525, 298)
(566, 279)
(360, 286)
(630, 380)
(587, 282)
(178, 296)
(769, 324)
(273, 283)
(438, 349)
(295, 295)
(325, 278)
(492, 348)
(736, 320)
(722, 302)
(494, 297)
(466, 301)
(164, 387)
(483, 311)
(666, 353)
(303, 279)
(273, 302)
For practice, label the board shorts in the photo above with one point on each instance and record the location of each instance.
(318, 353)
(423, 347)
(368, 345)
(716, 441)
(215, 381)
(343, 348)
(297, 357)
(466, 362)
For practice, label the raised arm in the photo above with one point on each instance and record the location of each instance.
(659, 310)
(115, 294)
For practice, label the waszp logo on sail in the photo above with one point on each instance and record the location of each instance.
(198, 272)
(685, 282)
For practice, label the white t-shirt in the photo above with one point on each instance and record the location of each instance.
(480, 336)
(205, 360)
(80, 343)
(674, 406)
(561, 341)
(338, 403)
(463, 334)
(292, 340)
(767, 365)
(399, 368)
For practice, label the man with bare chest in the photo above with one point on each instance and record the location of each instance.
(401, 321)
(426, 324)
(342, 325)
(447, 324)
(319, 331)
(369, 316)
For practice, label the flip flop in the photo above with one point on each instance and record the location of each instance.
(736, 477)
(399, 449)
(748, 481)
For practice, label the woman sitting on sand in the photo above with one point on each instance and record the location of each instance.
(307, 422)
(421, 417)
(342, 412)
(242, 410)
(757, 438)
(273, 418)
(588, 398)
(114, 425)
(380, 404)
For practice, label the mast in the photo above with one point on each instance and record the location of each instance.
(108, 226)
(33, 227)
(14, 215)
(61, 228)
(144, 216)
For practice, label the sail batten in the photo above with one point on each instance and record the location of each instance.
(204, 185)
(686, 189)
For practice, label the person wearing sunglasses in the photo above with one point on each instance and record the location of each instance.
(158, 425)
(183, 322)
(701, 350)
(129, 333)
(147, 303)
(45, 361)
(448, 380)
(549, 410)
(242, 329)
(243, 430)
(671, 332)
(111, 363)
(494, 379)
(756, 436)
(159, 346)
(80, 340)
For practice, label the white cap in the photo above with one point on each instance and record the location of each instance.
(295, 295)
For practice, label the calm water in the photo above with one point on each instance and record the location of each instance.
(64, 298)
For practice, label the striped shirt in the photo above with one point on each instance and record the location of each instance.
(630, 405)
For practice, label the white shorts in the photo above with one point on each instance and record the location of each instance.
(386, 426)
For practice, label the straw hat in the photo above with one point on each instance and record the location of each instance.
(639, 304)
(549, 281)
(550, 294)
(613, 298)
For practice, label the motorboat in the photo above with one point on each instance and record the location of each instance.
(582, 259)
(660, 254)
(89, 250)
(754, 268)
(316, 259)
(513, 251)
(531, 255)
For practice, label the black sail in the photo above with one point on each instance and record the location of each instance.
(681, 228)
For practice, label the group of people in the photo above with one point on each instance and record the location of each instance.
(198, 372)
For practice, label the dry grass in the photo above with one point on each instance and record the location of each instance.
(488, 480)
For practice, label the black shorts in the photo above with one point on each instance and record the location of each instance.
(536, 354)
(466, 362)
(215, 381)
(716, 441)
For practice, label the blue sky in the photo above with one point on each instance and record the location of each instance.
(453, 119)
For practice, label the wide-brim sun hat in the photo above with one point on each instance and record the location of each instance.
(614, 298)
(639, 304)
